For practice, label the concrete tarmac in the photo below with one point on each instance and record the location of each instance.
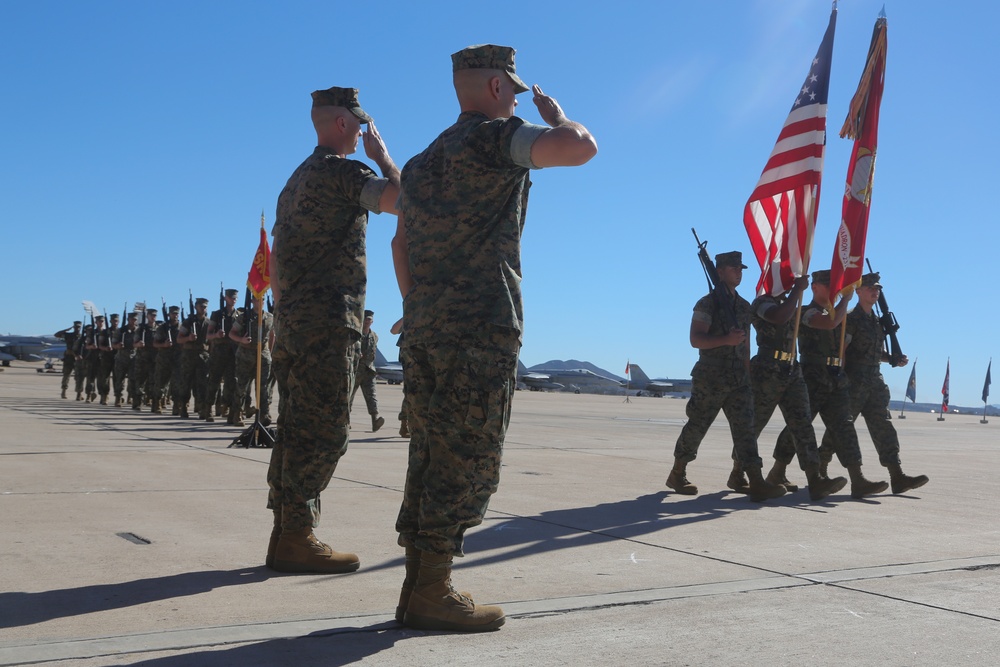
(136, 539)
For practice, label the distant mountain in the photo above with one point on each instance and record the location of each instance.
(573, 363)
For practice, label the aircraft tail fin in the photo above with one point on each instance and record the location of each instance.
(637, 375)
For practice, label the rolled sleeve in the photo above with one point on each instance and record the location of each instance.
(371, 194)
(521, 142)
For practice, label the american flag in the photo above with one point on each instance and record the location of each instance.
(781, 213)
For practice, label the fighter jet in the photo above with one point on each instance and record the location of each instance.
(24, 348)
(657, 387)
(390, 371)
(560, 379)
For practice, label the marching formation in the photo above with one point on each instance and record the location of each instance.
(142, 361)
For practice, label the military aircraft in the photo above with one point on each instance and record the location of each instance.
(24, 348)
(560, 379)
(658, 387)
(390, 371)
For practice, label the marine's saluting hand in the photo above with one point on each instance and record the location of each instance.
(548, 108)
(374, 146)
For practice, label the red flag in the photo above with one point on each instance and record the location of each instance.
(259, 278)
(627, 366)
(862, 126)
(944, 389)
(781, 213)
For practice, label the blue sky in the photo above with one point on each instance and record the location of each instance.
(141, 140)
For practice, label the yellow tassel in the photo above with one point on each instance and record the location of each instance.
(859, 103)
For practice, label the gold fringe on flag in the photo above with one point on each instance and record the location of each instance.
(856, 114)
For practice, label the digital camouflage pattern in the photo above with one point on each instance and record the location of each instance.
(222, 358)
(319, 242)
(869, 395)
(69, 357)
(318, 369)
(464, 235)
(828, 393)
(779, 383)
(720, 381)
(124, 361)
(365, 374)
(166, 358)
(193, 377)
(106, 362)
(246, 363)
(145, 364)
(460, 393)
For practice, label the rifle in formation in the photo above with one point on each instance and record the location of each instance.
(719, 291)
(166, 320)
(889, 326)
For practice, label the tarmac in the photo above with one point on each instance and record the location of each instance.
(137, 539)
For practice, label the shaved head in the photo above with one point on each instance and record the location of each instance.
(489, 91)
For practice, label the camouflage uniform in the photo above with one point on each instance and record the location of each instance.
(721, 381)
(464, 201)
(222, 358)
(869, 395)
(166, 360)
(777, 382)
(82, 368)
(246, 364)
(828, 392)
(193, 376)
(319, 252)
(143, 383)
(106, 363)
(365, 373)
(124, 361)
(69, 356)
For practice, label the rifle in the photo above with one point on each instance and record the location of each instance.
(194, 320)
(166, 321)
(889, 326)
(715, 286)
(270, 305)
(247, 309)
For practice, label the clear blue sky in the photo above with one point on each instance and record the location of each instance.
(141, 140)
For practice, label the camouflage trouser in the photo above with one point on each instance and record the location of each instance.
(829, 399)
(69, 361)
(164, 372)
(318, 369)
(105, 367)
(280, 363)
(460, 394)
(93, 370)
(870, 398)
(715, 389)
(782, 386)
(221, 369)
(193, 376)
(246, 374)
(82, 375)
(145, 375)
(124, 360)
(364, 379)
(404, 407)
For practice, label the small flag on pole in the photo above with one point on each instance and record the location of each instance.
(628, 365)
(259, 278)
(986, 385)
(911, 386)
(944, 388)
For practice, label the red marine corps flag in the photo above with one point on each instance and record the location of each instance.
(862, 126)
(945, 396)
(780, 215)
(259, 279)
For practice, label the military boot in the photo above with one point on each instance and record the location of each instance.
(118, 401)
(404, 428)
(137, 404)
(377, 423)
(821, 486)
(64, 393)
(861, 487)
(677, 479)
(737, 480)
(411, 568)
(761, 489)
(824, 463)
(79, 395)
(777, 476)
(90, 397)
(104, 399)
(236, 418)
(183, 411)
(435, 605)
(206, 414)
(224, 412)
(300, 551)
(902, 483)
(272, 543)
(156, 407)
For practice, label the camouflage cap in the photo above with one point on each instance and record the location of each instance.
(99, 318)
(734, 258)
(340, 97)
(133, 315)
(232, 292)
(821, 277)
(871, 280)
(174, 309)
(152, 311)
(115, 316)
(488, 56)
(369, 313)
(200, 301)
(77, 323)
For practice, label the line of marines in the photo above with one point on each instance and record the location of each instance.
(145, 361)
(837, 381)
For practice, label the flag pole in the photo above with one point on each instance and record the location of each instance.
(903, 408)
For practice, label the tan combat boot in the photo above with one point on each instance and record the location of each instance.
(761, 489)
(861, 487)
(155, 409)
(377, 423)
(237, 418)
(821, 486)
(300, 551)
(435, 605)
(902, 483)
(777, 476)
(677, 480)
(411, 568)
(737, 480)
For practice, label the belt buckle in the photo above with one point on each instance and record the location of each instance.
(834, 361)
(782, 356)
